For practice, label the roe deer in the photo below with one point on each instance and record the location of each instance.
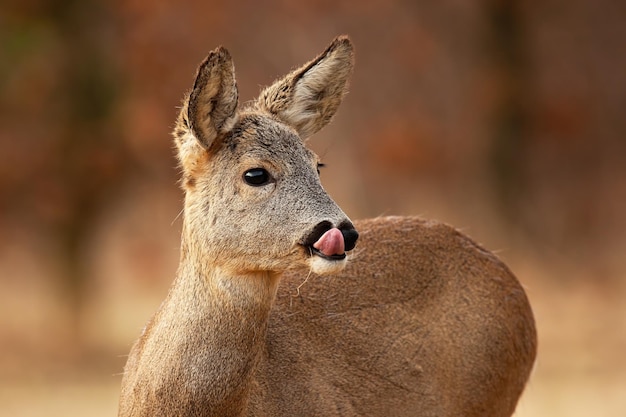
(421, 322)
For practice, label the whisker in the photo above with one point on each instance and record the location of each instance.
(177, 216)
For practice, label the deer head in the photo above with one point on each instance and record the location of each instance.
(253, 197)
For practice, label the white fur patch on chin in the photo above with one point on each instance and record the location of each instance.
(322, 266)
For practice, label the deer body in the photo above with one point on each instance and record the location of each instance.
(420, 322)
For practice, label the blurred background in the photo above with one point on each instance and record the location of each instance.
(504, 118)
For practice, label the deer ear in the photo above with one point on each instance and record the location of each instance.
(213, 99)
(208, 110)
(210, 107)
(308, 97)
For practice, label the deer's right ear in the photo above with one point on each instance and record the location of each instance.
(210, 109)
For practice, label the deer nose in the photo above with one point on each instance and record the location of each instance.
(350, 235)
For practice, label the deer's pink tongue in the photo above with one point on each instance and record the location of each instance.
(331, 243)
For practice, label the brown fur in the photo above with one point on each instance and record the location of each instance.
(421, 322)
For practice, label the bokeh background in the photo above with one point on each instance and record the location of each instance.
(504, 118)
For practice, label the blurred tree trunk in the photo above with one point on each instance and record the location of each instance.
(90, 156)
(510, 123)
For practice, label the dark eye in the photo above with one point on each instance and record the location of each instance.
(320, 165)
(256, 177)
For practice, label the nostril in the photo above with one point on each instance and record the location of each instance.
(348, 232)
(350, 236)
(316, 233)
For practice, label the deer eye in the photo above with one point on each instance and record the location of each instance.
(256, 177)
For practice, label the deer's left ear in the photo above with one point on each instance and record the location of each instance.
(308, 97)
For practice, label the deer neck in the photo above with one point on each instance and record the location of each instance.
(225, 318)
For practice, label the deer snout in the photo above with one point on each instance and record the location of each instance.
(331, 242)
(350, 235)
